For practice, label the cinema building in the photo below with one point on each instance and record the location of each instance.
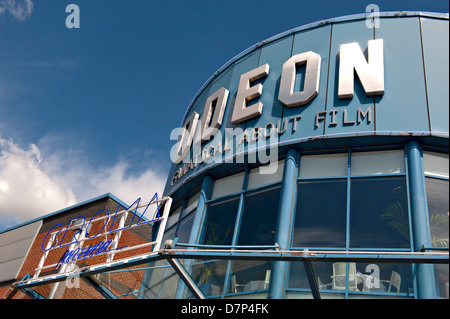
(312, 165)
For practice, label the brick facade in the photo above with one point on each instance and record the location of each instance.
(120, 283)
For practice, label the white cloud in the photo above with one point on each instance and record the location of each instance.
(26, 191)
(19, 9)
(32, 185)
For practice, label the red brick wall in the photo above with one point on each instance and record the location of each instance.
(119, 283)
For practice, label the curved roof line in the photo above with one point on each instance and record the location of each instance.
(352, 17)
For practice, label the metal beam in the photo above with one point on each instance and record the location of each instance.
(316, 256)
(272, 255)
(311, 279)
(184, 275)
(105, 292)
(32, 293)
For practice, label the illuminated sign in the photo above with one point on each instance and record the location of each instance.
(83, 232)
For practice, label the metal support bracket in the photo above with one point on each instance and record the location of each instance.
(184, 275)
(105, 292)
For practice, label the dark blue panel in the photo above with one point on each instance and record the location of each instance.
(435, 52)
(403, 107)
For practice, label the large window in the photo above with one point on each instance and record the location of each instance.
(436, 167)
(241, 211)
(345, 202)
(379, 215)
(352, 201)
(321, 211)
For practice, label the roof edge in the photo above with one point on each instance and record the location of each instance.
(104, 196)
(352, 17)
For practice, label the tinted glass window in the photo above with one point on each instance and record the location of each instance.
(321, 214)
(437, 198)
(379, 213)
(259, 220)
(220, 221)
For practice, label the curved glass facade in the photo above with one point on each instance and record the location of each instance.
(350, 200)
(294, 178)
(359, 198)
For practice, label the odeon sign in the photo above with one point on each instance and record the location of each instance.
(196, 130)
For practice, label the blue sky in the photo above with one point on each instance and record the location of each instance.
(88, 111)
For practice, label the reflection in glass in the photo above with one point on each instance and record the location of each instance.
(384, 278)
(437, 198)
(379, 213)
(320, 220)
(184, 228)
(173, 217)
(355, 277)
(209, 276)
(259, 218)
(249, 275)
(220, 220)
(441, 278)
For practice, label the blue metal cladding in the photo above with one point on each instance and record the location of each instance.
(415, 99)
(403, 107)
(347, 32)
(274, 54)
(310, 40)
(435, 54)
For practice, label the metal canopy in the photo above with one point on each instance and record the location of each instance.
(172, 255)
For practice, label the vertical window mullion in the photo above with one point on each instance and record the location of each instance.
(347, 242)
(408, 200)
(228, 273)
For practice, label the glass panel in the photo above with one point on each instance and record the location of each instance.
(184, 228)
(152, 280)
(435, 163)
(192, 203)
(228, 185)
(384, 278)
(321, 214)
(437, 198)
(441, 276)
(249, 275)
(169, 234)
(325, 165)
(256, 178)
(220, 221)
(173, 217)
(259, 220)
(209, 277)
(379, 162)
(124, 283)
(379, 213)
(324, 272)
(169, 286)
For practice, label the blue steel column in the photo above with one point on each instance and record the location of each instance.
(196, 229)
(284, 226)
(419, 216)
